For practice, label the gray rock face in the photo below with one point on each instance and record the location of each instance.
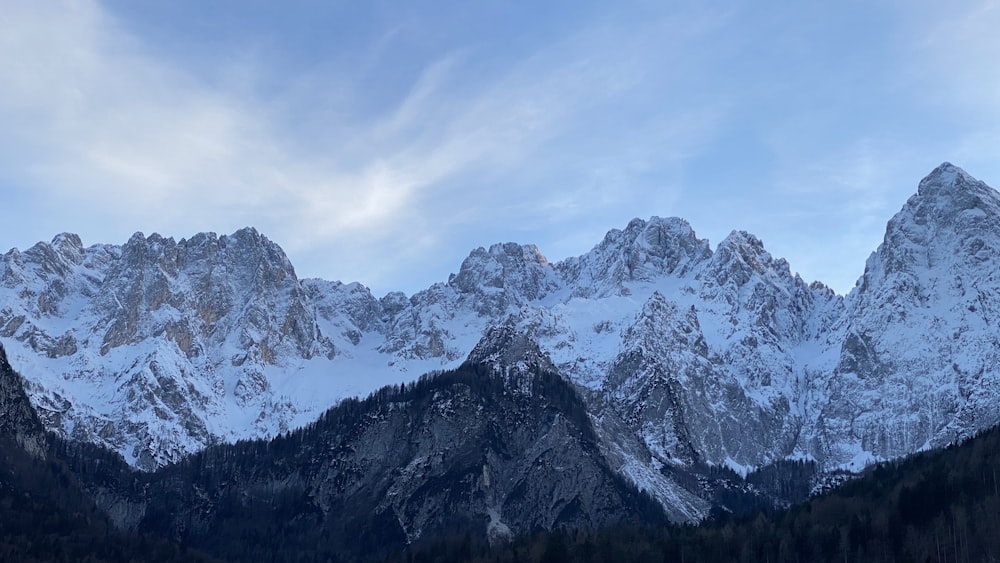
(210, 290)
(918, 364)
(659, 377)
(644, 251)
(163, 333)
(468, 450)
(506, 274)
(18, 421)
(508, 350)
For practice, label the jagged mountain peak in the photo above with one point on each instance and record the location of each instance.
(745, 247)
(948, 178)
(507, 349)
(246, 240)
(175, 331)
(669, 239)
(949, 196)
(244, 261)
(922, 318)
(657, 226)
(526, 252)
(748, 243)
(57, 257)
(953, 219)
(504, 276)
(245, 235)
(499, 266)
(69, 245)
(663, 326)
(644, 251)
(249, 238)
(741, 257)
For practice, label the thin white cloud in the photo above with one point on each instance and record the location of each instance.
(950, 67)
(97, 122)
(104, 124)
(954, 52)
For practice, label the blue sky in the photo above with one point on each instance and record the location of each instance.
(382, 141)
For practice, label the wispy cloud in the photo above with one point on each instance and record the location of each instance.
(954, 52)
(93, 119)
(133, 141)
(389, 167)
(949, 66)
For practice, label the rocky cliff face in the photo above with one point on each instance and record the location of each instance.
(646, 251)
(685, 356)
(18, 421)
(441, 457)
(147, 348)
(917, 364)
(465, 451)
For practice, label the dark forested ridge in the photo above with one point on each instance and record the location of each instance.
(445, 455)
(935, 506)
(418, 465)
(45, 515)
(46, 511)
(427, 459)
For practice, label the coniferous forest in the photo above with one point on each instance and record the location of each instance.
(939, 506)
(936, 506)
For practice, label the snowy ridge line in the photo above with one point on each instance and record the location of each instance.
(159, 347)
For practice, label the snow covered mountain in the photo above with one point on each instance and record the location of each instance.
(919, 345)
(684, 355)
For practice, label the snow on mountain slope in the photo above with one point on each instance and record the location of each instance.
(158, 347)
(918, 363)
(685, 355)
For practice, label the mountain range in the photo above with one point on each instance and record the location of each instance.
(652, 361)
